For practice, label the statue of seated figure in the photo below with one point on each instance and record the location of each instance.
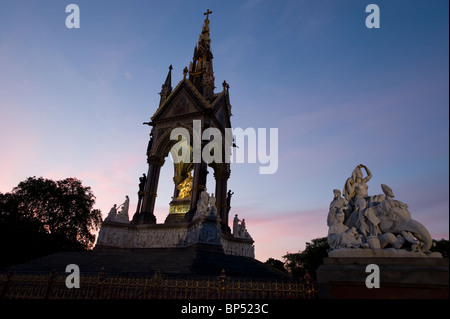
(340, 236)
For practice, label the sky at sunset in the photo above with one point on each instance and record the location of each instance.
(72, 101)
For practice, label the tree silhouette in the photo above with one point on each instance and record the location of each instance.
(308, 260)
(275, 263)
(41, 216)
(441, 246)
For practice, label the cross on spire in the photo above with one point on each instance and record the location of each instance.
(207, 13)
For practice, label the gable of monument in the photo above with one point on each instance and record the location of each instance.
(222, 111)
(181, 102)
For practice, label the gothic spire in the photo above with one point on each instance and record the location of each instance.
(166, 87)
(200, 68)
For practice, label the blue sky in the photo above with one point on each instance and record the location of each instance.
(72, 101)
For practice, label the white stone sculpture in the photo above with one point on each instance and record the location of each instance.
(202, 205)
(357, 180)
(122, 216)
(206, 205)
(242, 229)
(336, 204)
(212, 209)
(239, 229)
(378, 222)
(340, 236)
(236, 226)
(112, 213)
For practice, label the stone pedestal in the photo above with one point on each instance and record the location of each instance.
(143, 218)
(178, 208)
(400, 278)
(204, 231)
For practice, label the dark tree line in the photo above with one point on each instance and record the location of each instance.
(41, 216)
(308, 260)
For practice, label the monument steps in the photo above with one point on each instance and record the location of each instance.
(170, 262)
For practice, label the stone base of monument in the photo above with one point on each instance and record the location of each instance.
(202, 231)
(413, 277)
(196, 261)
(174, 218)
(144, 218)
(195, 249)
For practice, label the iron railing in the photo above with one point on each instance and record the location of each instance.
(102, 286)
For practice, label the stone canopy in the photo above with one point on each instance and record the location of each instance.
(196, 216)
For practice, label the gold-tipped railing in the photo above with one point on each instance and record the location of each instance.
(53, 286)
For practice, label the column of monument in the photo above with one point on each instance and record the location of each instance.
(199, 182)
(146, 216)
(221, 176)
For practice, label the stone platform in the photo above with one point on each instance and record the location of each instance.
(193, 262)
(205, 230)
(377, 253)
(400, 278)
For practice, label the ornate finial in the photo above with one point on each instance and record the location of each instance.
(224, 84)
(185, 71)
(207, 13)
(170, 67)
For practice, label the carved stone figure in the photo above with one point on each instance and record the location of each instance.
(336, 204)
(395, 218)
(377, 222)
(212, 209)
(142, 181)
(202, 205)
(122, 216)
(360, 205)
(355, 180)
(239, 229)
(229, 194)
(340, 236)
(112, 213)
(242, 229)
(236, 226)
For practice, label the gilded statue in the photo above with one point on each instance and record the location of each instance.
(185, 187)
